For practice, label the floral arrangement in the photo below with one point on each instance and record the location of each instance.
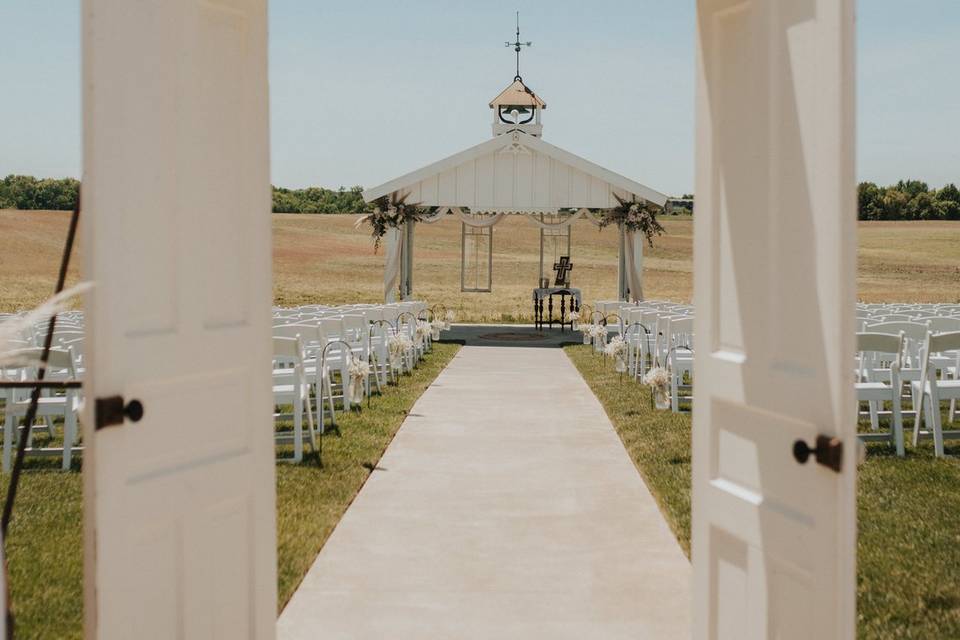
(449, 318)
(435, 328)
(575, 319)
(634, 216)
(422, 331)
(390, 212)
(358, 371)
(598, 332)
(587, 331)
(397, 346)
(617, 349)
(658, 378)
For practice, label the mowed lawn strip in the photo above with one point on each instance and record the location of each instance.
(908, 555)
(46, 533)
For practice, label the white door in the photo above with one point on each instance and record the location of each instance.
(775, 240)
(179, 517)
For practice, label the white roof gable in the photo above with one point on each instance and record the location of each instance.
(515, 172)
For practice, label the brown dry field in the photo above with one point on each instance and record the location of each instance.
(323, 258)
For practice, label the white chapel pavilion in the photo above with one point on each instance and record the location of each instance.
(516, 172)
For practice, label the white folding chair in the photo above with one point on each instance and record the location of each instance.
(60, 367)
(290, 387)
(931, 390)
(873, 350)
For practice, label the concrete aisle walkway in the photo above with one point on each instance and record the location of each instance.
(506, 507)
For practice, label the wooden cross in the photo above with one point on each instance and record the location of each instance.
(563, 269)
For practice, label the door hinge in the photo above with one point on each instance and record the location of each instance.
(828, 452)
(112, 411)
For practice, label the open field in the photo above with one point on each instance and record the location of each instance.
(323, 258)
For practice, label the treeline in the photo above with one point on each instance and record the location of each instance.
(319, 200)
(907, 200)
(28, 192)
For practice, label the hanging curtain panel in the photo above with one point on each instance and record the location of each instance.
(476, 258)
(554, 241)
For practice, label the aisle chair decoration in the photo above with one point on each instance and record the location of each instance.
(617, 349)
(398, 345)
(359, 375)
(658, 379)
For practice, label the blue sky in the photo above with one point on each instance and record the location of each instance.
(413, 80)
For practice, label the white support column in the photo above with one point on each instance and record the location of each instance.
(406, 269)
(621, 265)
(393, 247)
(633, 265)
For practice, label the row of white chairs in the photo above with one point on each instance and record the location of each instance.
(302, 364)
(658, 333)
(908, 359)
(313, 350)
(65, 363)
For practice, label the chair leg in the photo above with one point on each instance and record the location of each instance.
(918, 414)
(937, 427)
(897, 424)
(69, 429)
(874, 417)
(310, 423)
(9, 428)
(297, 430)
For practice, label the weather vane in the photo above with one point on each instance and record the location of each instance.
(517, 45)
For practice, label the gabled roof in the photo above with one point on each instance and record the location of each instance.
(515, 172)
(518, 95)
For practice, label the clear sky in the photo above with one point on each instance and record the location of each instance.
(412, 81)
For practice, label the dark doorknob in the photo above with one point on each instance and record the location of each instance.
(112, 411)
(828, 452)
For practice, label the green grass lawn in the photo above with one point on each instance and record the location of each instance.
(908, 555)
(45, 542)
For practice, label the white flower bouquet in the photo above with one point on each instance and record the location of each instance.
(358, 371)
(617, 349)
(587, 332)
(421, 332)
(397, 347)
(575, 319)
(449, 318)
(658, 379)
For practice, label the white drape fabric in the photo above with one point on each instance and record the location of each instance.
(565, 223)
(391, 269)
(633, 262)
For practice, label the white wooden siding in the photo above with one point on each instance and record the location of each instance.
(520, 173)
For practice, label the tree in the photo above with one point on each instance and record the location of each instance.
(893, 204)
(869, 201)
(949, 193)
(922, 207)
(913, 188)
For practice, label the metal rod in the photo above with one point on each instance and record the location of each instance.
(42, 384)
(41, 374)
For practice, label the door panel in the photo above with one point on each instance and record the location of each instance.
(774, 540)
(179, 518)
